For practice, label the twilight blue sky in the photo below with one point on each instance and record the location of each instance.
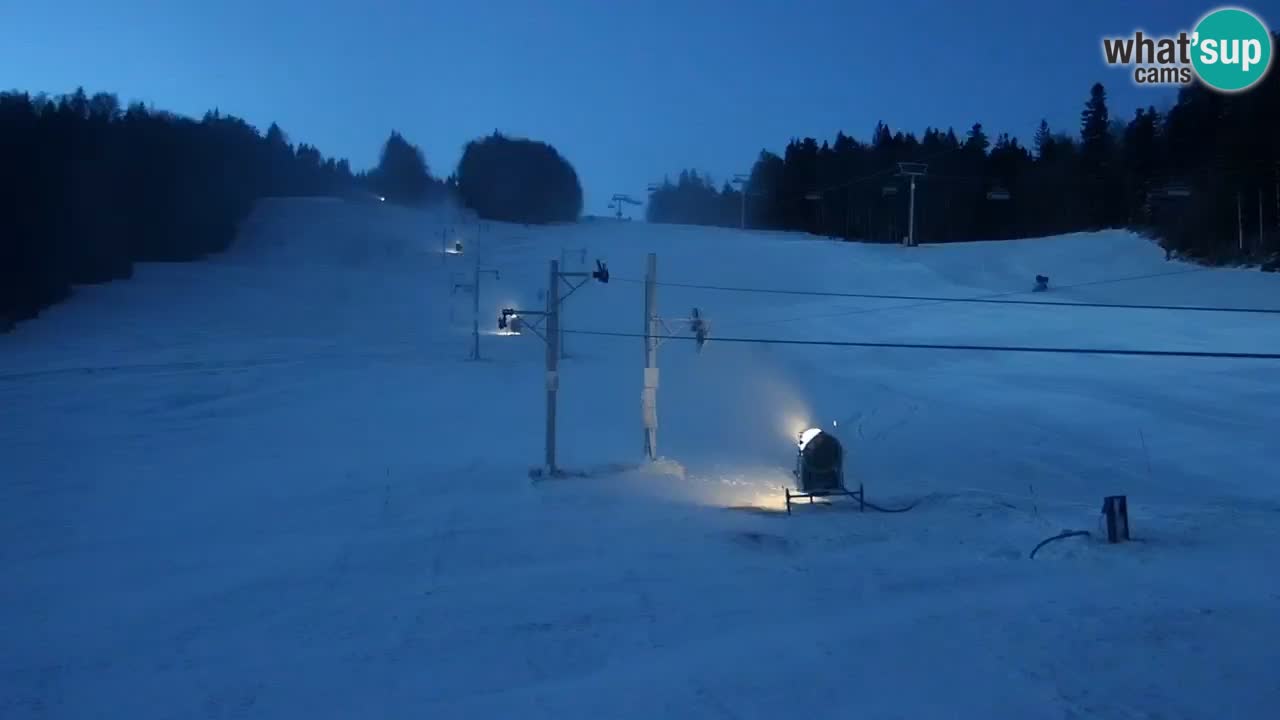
(626, 90)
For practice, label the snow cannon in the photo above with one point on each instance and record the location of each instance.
(820, 469)
(509, 321)
(819, 462)
(1042, 283)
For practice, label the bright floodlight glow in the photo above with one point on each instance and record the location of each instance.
(808, 435)
(793, 422)
(381, 199)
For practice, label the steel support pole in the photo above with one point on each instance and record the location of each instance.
(475, 311)
(649, 396)
(553, 362)
(911, 219)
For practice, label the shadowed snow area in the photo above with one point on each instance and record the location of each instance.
(271, 485)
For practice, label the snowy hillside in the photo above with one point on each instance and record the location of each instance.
(270, 485)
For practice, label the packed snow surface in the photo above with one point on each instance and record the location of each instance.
(271, 485)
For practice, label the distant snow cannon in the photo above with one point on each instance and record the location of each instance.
(510, 321)
(820, 469)
(450, 248)
(819, 462)
(1042, 283)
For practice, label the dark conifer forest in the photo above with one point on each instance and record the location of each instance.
(91, 187)
(1203, 178)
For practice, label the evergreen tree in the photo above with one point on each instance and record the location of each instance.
(1101, 183)
(1140, 149)
(402, 175)
(765, 188)
(976, 142)
(1043, 140)
(1095, 135)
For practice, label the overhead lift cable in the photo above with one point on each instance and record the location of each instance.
(967, 348)
(999, 299)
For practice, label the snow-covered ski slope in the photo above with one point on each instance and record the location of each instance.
(269, 485)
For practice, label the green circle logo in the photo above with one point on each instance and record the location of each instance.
(1231, 49)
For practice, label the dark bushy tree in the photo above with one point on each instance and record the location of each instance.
(91, 189)
(518, 180)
